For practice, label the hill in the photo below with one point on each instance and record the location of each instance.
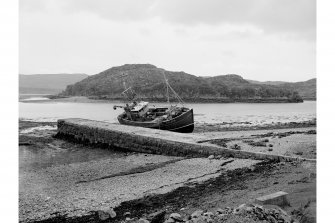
(148, 82)
(268, 82)
(47, 83)
(306, 89)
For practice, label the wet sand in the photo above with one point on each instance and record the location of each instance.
(62, 180)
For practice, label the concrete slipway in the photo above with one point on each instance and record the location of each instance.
(154, 141)
(81, 188)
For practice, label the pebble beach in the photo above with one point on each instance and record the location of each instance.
(90, 180)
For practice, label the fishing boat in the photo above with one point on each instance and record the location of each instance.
(177, 118)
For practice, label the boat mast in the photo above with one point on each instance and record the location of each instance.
(128, 92)
(167, 88)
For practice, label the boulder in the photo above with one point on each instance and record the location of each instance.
(126, 214)
(157, 217)
(219, 211)
(142, 220)
(106, 213)
(197, 213)
(252, 168)
(103, 215)
(279, 198)
(176, 217)
(187, 218)
(211, 157)
(170, 220)
(271, 219)
(244, 209)
(236, 147)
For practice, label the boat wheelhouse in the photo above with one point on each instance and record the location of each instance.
(173, 118)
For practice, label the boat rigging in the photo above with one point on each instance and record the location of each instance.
(139, 113)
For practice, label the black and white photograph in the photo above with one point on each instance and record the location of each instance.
(163, 111)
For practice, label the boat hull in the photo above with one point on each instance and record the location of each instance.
(183, 123)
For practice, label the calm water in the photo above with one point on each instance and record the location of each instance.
(204, 113)
(32, 157)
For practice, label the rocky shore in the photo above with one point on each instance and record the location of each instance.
(68, 182)
(242, 213)
(245, 126)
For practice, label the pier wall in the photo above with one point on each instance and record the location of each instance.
(137, 139)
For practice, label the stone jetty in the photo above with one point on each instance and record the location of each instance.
(138, 139)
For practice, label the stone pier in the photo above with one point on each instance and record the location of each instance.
(138, 139)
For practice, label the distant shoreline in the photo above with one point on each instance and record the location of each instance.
(309, 99)
(186, 100)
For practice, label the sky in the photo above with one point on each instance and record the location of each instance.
(263, 40)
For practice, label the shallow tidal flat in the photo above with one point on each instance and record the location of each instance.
(292, 142)
(59, 178)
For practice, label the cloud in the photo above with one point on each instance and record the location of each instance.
(119, 10)
(297, 17)
(32, 5)
(260, 39)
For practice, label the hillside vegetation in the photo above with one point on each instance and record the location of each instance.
(148, 82)
(306, 89)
